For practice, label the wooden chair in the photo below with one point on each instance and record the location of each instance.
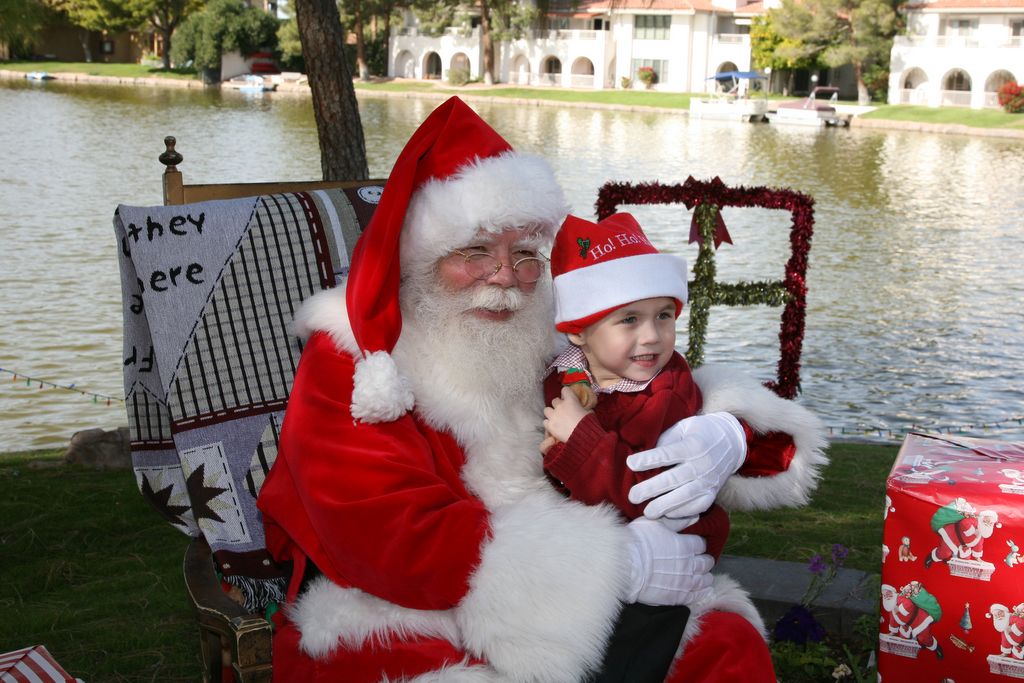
(235, 643)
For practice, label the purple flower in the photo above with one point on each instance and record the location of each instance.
(798, 625)
(817, 565)
(839, 553)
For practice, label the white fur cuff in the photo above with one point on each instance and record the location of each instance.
(380, 393)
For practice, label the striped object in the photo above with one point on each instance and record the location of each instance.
(209, 291)
(32, 665)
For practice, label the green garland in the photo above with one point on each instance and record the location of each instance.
(707, 199)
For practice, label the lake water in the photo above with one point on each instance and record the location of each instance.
(915, 280)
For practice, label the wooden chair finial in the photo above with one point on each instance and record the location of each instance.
(170, 158)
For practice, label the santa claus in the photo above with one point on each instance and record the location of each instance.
(409, 495)
(962, 532)
(1010, 624)
(912, 611)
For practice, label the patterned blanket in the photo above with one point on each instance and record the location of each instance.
(209, 290)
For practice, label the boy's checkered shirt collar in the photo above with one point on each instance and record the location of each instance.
(573, 357)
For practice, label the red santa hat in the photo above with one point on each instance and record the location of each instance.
(455, 177)
(599, 267)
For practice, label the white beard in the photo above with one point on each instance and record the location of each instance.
(481, 380)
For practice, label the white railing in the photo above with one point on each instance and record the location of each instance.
(913, 96)
(548, 79)
(581, 81)
(576, 34)
(461, 32)
(519, 78)
(991, 101)
(960, 42)
(956, 98)
(732, 38)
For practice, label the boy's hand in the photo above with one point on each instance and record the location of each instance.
(547, 444)
(564, 414)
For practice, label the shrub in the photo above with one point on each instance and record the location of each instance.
(626, 82)
(1011, 97)
(458, 76)
(223, 26)
(647, 75)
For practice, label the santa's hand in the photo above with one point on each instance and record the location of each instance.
(666, 568)
(561, 418)
(701, 452)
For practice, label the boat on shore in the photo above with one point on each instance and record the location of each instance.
(741, 96)
(251, 83)
(39, 76)
(810, 111)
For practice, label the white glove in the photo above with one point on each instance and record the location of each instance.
(702, 452)
(666, 568)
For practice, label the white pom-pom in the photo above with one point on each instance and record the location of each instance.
(380, 393)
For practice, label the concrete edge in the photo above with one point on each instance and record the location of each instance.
(470, 96)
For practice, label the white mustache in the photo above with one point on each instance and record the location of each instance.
(496, 298)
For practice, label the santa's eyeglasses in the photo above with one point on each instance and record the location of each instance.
(481, 266)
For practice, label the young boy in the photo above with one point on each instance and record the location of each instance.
(617, 298)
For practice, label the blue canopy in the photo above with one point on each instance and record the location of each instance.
(726, 75)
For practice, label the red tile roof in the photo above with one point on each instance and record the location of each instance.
(967, 4)
(668, 6)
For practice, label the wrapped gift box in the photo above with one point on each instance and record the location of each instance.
(953, 562)
(32, 664)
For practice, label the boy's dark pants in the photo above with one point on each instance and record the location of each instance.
(643, 644)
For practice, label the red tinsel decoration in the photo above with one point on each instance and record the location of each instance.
(693, 193)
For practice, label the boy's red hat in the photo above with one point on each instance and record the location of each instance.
(599, 267)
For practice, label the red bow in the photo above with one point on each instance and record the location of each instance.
(705, 193)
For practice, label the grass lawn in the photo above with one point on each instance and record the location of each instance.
(976, 118)
(101, 69)
(91, 572)
(630, 98)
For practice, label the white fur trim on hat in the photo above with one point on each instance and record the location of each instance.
(582, 292)
(380, 392)
(495, 193)
(725, 389)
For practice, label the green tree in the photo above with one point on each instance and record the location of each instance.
(765, 42)
(223, 26)
(838, 32)
(164, 16)
(356, 17)
(97, 16)
(20, 22)
(434, 16)
(289, 44)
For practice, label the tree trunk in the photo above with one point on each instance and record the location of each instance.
(361, 67)
(339, 128)
(167, 32)
(863, 96)
(83, 38)
(488, 42)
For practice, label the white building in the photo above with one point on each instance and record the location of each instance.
(958, 53)
(596, 45)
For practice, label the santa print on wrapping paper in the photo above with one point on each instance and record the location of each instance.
(911, 612)
(1009, 622)
(1016, 478)
(962, 531)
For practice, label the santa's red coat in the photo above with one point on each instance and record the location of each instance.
(494, 579)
